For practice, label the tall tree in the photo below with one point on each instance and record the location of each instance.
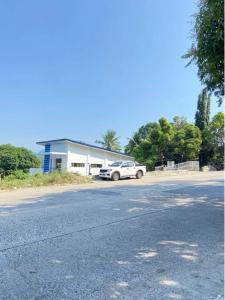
(207, 50)
(214, 141)
(202, 119)
(202, 115)
(110, 141)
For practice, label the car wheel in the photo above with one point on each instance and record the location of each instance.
(139, 174)
(115, 176)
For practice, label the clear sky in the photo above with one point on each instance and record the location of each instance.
(73, 69)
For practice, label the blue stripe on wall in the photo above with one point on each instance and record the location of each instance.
(47, 158)
(47, 147)
(46, 162)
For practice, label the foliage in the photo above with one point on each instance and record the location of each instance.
(179, 122)
(16, 158)
(214, 141)
(154, 143)
(202, 115)
(207, 50)
(217, 128)
(139, 136)
(110, 141)
(18, 174)
(212, 147)
(20, 179)
(186, 143)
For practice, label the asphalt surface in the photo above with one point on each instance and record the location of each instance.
(154, 241)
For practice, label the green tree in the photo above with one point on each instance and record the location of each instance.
(143, 134)
(202, 115)
(179, 122)
(207, 50)
(186, 143)
(202, 118)
(110, 141)
(161, 137)
(145, 153)
(179, 141)
(217, 128)
(141, 147)
(16, 158)
(212, 147)
(215, 140)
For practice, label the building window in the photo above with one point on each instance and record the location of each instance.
(77, 165)
(96, 166)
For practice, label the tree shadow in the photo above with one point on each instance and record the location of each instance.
(148, 242)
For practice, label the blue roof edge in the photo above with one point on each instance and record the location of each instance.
(83, 144)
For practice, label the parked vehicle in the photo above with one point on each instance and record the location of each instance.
(122, 169)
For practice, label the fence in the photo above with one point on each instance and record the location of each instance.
(191, 165)
(33, 171)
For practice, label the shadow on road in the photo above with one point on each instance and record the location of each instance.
(158, 241)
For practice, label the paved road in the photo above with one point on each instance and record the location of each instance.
(155, 241)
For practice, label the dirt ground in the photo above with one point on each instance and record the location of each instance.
(19, 196)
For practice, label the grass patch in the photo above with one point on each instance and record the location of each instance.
(16, 181)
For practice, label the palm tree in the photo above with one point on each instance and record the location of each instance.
(110, 141)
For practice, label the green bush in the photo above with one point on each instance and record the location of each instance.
(19, 174)
(20, 179)
(16, 158)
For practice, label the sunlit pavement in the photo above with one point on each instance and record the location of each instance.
(152, 241)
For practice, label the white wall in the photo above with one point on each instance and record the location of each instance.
(77, 154)
(59, 147)
(33, 171)
(88, 156)
(53, 162)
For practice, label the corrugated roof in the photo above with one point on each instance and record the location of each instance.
(82, 144)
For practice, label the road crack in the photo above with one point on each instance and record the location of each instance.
(83, 230)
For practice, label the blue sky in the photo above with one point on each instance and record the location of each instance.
(73, 69)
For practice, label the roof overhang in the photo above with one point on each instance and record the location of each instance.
(53, 153)
(83, 145)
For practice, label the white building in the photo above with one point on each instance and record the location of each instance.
(77, 157)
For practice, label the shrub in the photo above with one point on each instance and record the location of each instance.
(20, 179)
(19, 174)
(16, 158)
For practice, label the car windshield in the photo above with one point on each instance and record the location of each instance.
(116, 164)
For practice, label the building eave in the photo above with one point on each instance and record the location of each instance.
(53, 153)
(82, 144)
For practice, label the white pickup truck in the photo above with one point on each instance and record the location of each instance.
(122, 169)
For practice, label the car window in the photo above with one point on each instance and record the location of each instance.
(125, 165)
(116, 164)
(130, 164)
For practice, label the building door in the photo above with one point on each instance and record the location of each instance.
(58, 164)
